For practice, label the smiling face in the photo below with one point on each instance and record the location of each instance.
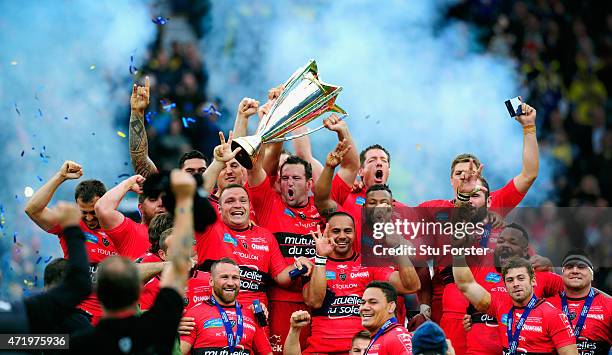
(375, 168)
(88, 215)
(342, 230)
(233, 173)
(225, 282)
(375, 310)
(577, 276)
(519, 285)
(294, 186)
(234, 204)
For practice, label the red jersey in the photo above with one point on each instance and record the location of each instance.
(98, 246)
(545, 329)
(209, 337)
(148, 257)
(130, 238)
(254, 249)
(291, 228)
(485, 333)
(198, 290)
(337, 321)
(396, 340)
(596, 335)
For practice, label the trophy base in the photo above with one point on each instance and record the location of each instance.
(243, 156)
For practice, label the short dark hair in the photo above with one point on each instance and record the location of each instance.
(55, 271)
(386, 288)
(516, 263)
(363, 334)
(158, 224)
(87, 190)
(464, 158)
(232, 186)
(224, 260)
(294, 159)
(363, 153)
(340, 213)
(118, 283)
(519, 228)
(162, 239)
(485, 183)
(379, 187)
(194, 154)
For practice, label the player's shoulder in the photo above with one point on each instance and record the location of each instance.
(436, 203)
(547, 307)
(399, 338)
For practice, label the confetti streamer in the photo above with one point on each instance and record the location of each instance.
(15, 238)
(123, 176)
(38, 260)
(39, 178)
(211, 110)
(167, 105)
(133, 69)
(22, 152)
(367, 116)
(40, 113)
(150, 115)
(121, 134)
(48, 259)
(187, 120)
(17, 109)
(65, 117)
(160, 20)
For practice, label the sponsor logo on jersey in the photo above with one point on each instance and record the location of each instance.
(90, 238)
(213, 323)
(260, 247)
(330, 275)
(504, 319)
(360, 201)
(493, 277)
(289, 213)
(229, 239)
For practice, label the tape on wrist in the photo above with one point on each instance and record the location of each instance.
(320, 260)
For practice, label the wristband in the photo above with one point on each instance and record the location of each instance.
(320, 260)
(529, 129)
(462, 197)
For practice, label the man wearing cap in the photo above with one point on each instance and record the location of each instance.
(377, 312)
(588, 310)
(429, 339)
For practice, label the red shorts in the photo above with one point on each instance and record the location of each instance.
(452, 325)
(483, 339)
(280, 315)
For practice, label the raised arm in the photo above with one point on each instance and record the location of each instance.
(50, 308)
(531, 155)
(257, 175)
(37, 209)
(476, 294)
(314, 291)
(147, 271)
(298, 320)
(139, 145)
(175, 275)
(322, 188)
(106, 207)
(303, 149)
(246, 109)
(350, 163)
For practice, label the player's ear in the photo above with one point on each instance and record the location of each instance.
(391, 307)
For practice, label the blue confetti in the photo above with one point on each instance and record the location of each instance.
(48, 259)
(65, 117)
(40, 112)
(33, 148)
(15, 238)
(22, 152)
(93, 133)
(123, 176)
(125, 163)
(38, 260)
(167, 105)
(160, 20)
(150, 115)
(17, 109)
(39, 178)
(187, 120)
(211, 110)
(36, 96)
(133, 69)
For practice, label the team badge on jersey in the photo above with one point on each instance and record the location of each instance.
(105, 242)
(229, 239)
(244, 244)
(185, 301)
(360, 201)
(493, 277)
(343, 276)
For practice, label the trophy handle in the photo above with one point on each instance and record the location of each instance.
(296, 136)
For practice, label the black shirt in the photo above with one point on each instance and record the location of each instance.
(152, 332)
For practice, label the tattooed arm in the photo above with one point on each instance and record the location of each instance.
(139, 145)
